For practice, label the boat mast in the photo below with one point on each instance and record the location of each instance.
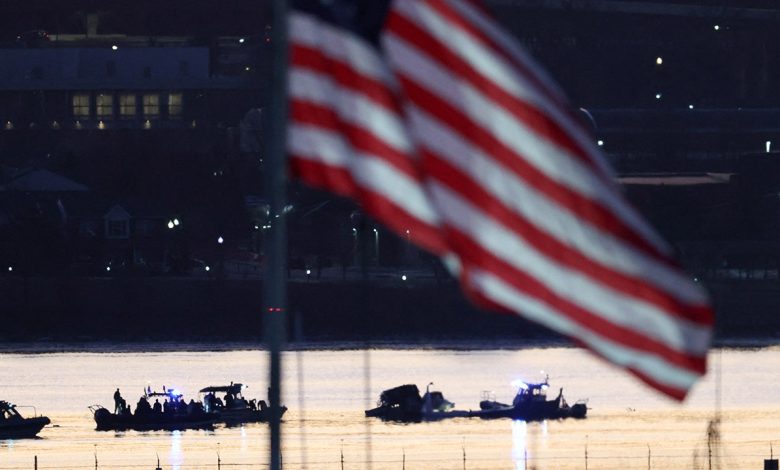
(274, 284)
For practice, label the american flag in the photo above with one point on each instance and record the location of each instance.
(444, 129)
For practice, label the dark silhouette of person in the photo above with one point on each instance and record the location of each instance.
(143, 407)
(157, 407)
(118, 401)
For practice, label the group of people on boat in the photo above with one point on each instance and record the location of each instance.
(212, 402)
(172, 405)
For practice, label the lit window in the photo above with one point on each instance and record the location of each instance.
(80, 105)
(127, 106)
(151, 105)
(174, 105)
(104, 106)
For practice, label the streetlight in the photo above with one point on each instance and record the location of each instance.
(220, 240)
(175, 221)
(170, 224)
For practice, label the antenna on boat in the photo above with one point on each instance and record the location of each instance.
(96, 460)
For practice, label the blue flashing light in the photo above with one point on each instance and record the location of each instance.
(520, 384)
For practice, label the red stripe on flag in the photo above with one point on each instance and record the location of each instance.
(456, 19)
(674, 392)
(556, 250)
(337, 180)
(586, 209)
(305, 112)
(525, 113)
(477, 256)
(340, 181)
(305, 58)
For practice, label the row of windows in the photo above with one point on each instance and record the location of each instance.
(152, 104)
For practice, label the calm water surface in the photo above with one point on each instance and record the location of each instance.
(627, 423)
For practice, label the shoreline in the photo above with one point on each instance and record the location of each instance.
(120, 347)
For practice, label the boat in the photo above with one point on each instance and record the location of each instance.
(531, 404)
(171, 415)
(14, 426)
(404, 403)
(232, 407)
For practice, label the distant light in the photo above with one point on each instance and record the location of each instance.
(403, 277)
(658, 96)
(10, 269)
(220, 240)
(147, 124)
(354, 230)
(600, 143)
(170, 224)
(175, 221)
(208, 269)
(241, 41)
(768, 146)
(101, 125)
(55, 125)
(108, 268)
(375, 231)
(114, 47)
(716, 27)
(690, 106)
(257, 227)
(659, 60)
(78, 124)
(194, 123)
(308, 271)
(695, 279)
(9, 125)
(407, 231)
(247, 68)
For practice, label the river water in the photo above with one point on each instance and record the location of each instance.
(628, 425)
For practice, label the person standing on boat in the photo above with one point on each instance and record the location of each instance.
(117, 401)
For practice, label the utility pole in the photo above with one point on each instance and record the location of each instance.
(274, 284)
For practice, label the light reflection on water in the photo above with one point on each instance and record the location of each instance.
(519, 446)
(176, 457)
(626, 420)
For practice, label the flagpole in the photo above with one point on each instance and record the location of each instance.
(275, 292)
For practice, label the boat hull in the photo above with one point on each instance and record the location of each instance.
(530, 411)
(246, 415)
(22, 429)
(107, 421)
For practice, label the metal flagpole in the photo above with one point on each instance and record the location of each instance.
(274, 284)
